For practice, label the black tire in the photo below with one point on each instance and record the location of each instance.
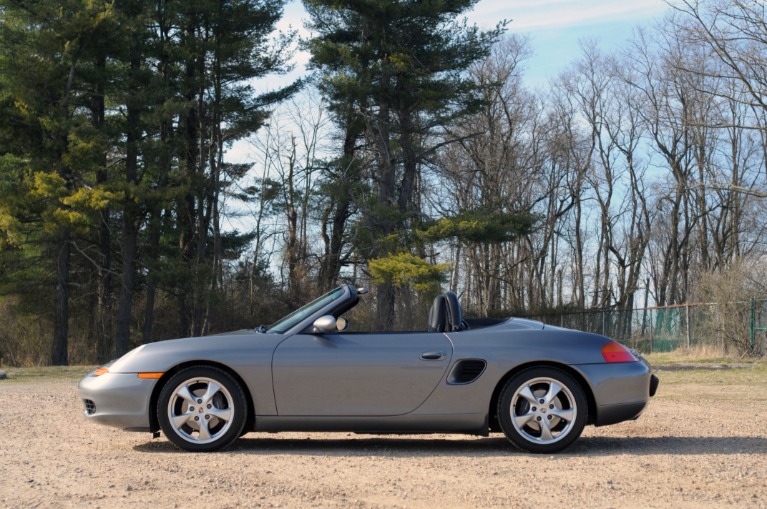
(542, 410)
(202, 409)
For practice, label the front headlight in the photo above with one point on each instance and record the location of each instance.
(101, 370)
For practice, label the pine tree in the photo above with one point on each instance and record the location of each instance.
(396, 71)
(116, 117)
(49, 81)
(225, 46)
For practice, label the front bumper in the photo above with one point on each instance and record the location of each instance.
(117, 399)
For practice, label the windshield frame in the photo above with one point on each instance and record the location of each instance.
(330, 300)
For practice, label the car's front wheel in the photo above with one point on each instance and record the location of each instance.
(542, 410)
(202, 409)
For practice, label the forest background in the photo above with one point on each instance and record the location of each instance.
(411, 158)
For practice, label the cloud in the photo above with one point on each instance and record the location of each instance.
(530, 15)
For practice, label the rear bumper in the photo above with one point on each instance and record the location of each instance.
(120, 400)
(621, 390)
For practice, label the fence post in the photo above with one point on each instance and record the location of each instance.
(719, 325)
(687, 318)
(603, 322)
(752, 326)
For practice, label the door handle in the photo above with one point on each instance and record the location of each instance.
(433, 356)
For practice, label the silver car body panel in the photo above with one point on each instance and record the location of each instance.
(371, 382)
(376, 374)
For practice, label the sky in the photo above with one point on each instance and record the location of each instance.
(555, 27)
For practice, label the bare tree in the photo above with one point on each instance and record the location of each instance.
(289, 152)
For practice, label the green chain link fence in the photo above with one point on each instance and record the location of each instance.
(758, 326)
(738, 328)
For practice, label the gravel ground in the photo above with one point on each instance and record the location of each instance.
(697, 445)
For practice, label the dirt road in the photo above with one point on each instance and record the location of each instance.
(697, 445)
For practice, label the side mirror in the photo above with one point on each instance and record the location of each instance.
(325, 325)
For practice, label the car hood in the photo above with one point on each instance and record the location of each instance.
(223, 348)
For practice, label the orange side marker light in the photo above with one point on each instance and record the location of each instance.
(150, 375)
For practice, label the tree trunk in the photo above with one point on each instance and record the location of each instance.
(125, 302)
(187, 207)
(60, 355)
(151, 283)
(130, 219)
(386, 198)
(330, 266)
(103, 312)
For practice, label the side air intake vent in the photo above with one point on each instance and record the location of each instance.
(466, 371)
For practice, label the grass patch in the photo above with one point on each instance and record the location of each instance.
(697, 356)
(755, 375)
(61, 373)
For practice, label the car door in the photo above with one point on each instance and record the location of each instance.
(358, 374)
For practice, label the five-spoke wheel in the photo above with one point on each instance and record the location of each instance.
(202, 408)
(542, 410)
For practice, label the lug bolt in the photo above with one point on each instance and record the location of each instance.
(199, 401)
(538, 418)
(210, 406)
(541, 402)
(551, 407)
(549, 417)
(208, 417)
(191, 409)
(535, 409)
(196, 418)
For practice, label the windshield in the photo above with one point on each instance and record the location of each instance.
(300, 314)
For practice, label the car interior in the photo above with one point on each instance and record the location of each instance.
(445, 315)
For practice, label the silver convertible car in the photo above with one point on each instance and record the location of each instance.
(538, 384)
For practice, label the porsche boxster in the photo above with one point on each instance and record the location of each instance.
(537, 384)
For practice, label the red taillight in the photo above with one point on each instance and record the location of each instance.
(616, 352)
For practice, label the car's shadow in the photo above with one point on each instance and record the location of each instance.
(406, 447)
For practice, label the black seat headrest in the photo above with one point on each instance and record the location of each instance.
(438, 315)
(454, 314)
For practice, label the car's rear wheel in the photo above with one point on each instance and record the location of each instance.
(542, 410)
(202, 409)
